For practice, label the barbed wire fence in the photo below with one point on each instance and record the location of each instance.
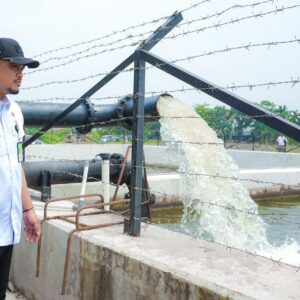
(276, 218)
(133, 39)
(143, 35)
(228, 119)
(174, 36)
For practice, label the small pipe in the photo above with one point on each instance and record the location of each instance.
(81, 201)
(84, 181)
(105, 177)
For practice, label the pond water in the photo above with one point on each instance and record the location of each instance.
(282, 216)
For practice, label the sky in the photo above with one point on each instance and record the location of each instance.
(44, 25)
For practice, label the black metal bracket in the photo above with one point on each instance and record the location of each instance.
(149, 43)
(46, 185)
(290, 129)
(140, 57)
(132, 225)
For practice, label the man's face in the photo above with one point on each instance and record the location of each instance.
(10, 78)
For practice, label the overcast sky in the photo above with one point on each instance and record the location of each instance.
(45, 25)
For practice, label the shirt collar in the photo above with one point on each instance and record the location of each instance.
(5, 102)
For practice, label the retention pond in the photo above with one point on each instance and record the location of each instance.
(280, 214)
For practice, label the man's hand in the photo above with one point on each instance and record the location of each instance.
(32, 226)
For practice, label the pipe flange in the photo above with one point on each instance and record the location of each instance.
(87, 127)
(122, 120)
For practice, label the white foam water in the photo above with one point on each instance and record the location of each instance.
(217, 206)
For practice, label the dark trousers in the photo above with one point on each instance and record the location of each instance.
(5, 260)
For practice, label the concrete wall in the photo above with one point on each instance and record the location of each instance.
(157, 155)
(160, 265)
(256, 167)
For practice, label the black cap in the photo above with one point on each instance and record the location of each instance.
(11, 50)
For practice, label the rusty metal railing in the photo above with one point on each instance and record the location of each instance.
(78, 226)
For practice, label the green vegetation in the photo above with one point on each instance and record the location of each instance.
(52, 136)
(231, 124)
(151, 134)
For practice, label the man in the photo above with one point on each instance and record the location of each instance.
(15, 200)
(281, 143)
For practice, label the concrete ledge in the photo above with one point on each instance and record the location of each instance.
(160, 264)
(282, 168)
(157, 155)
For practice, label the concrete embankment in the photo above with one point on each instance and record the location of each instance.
(264, 174)
(105, 263)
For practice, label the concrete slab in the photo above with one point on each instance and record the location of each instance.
(160, 264)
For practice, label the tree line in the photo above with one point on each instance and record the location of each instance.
(231, 124)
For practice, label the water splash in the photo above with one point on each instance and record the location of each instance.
(217, 206)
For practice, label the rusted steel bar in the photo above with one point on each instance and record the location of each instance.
(79, 227)
(101, 205)
(69, 198)
(46, 218)
(69, 244)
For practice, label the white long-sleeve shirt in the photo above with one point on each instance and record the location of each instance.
(11, 132)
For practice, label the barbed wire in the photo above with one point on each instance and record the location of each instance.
(224, 117)
(272, 216)
(131, 36)
(232, 21)
(233, 87)
(189, 58)
(174, 36)
(247, 46)
(179, 172)
(235, 6)
(130, 118)
(226, 208)
(222, 12)
(194, 6)
(292, 81)
(77, 59)
(226, 145)
(154, 21)
(214, 176)
(248, 252)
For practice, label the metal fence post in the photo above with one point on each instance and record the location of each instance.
(132, 225)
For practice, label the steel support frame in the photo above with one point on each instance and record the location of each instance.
(282, 125)
(140, 57)
(132, 225)
(147, 44)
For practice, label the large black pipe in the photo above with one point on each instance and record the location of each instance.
(38, 114)
(72, 171)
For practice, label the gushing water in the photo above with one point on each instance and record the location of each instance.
(217, 206)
